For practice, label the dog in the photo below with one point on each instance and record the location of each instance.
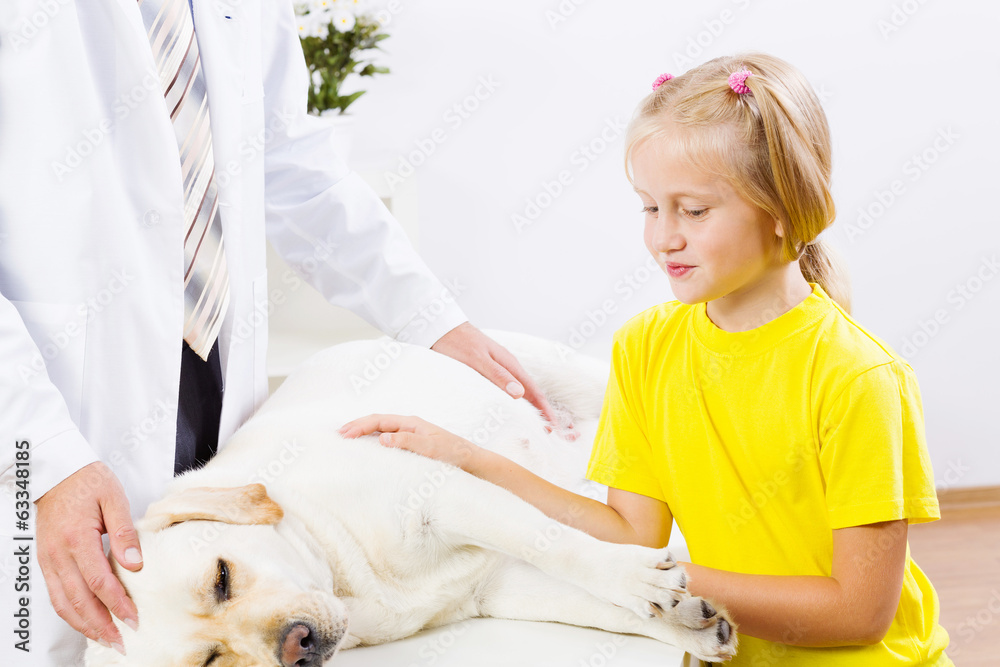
(294, 543)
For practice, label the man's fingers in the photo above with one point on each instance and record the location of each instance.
(69, 595)
(70, 521)
(512, 369)
(494, 370)
(121, 532)
(65, 610)
(80, 602)
(534, 395)
(96, 572)
(472, 347)
(125, 549)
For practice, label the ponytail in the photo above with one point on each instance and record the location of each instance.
(794, 125)
(822, 264)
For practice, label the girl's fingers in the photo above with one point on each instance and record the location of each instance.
(441, 446)
(400, 439)
(384, 423)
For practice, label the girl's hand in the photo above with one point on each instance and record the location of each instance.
(416, 435)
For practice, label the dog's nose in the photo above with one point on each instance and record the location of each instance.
(299, 648)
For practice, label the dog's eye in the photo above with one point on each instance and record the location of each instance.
(211, 658)
(222, 583)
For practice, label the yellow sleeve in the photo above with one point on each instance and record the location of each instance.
(622, 457)
(873, 451)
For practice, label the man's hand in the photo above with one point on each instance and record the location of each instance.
(71, 517)
(472, 347)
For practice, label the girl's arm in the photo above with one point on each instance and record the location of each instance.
(628, 518)
(855, 605)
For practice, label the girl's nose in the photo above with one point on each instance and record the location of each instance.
(666, 236)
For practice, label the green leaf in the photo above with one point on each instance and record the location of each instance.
(352, 97)
(339, 56)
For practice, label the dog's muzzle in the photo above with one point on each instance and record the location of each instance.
(302, 646)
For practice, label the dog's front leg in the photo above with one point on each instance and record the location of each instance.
(468, 510)
(520, 591)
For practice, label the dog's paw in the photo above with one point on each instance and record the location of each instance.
(695, 625)
(716, 644)
(653, 586)
(710, 634)
(647, 581)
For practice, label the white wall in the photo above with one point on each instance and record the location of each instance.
(559, 86)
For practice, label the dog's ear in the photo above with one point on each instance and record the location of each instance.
(244, 505)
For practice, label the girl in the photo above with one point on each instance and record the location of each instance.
(785, 439)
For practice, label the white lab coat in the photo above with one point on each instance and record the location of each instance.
(91, 263)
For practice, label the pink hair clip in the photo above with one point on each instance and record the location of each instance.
(662, 79)
(738, 81)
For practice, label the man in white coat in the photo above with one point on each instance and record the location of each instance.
(91, 281)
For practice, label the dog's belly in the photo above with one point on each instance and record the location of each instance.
(371, 508)
(296, 429)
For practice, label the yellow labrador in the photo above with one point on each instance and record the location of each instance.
(294, 542)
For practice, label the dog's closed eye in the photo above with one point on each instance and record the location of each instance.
(222, 590)
(211, 658)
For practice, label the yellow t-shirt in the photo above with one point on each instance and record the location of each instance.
(762, 442)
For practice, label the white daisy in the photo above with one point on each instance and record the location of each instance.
(356, 7)
(313, 25)
(343, 21)
(322, 28)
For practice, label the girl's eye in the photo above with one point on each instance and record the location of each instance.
(650, 209)
(697, 213)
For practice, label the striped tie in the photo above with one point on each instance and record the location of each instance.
(206, 279)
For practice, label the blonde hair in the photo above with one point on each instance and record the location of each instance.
(772, 145)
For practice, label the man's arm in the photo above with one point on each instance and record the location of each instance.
(325, 220)
(76, 497)
(332, 227)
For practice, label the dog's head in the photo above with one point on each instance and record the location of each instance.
(226, 581)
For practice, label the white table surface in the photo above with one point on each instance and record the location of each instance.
(491, 641)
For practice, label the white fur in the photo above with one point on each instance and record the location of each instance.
(389, 542)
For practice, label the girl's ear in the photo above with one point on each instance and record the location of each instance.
(778, 230)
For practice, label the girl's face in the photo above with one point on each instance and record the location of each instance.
(696, 219)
